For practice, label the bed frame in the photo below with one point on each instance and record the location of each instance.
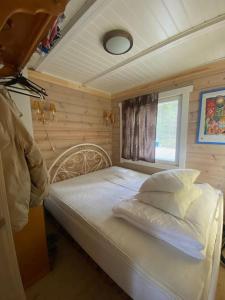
(79, 160)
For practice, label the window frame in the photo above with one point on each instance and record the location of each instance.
(183, 94)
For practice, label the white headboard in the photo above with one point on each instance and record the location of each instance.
(79, 160)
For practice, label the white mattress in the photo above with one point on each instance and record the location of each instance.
(145, 267)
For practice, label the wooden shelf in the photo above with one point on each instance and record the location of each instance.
(23, 24)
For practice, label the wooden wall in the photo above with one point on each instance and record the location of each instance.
(210, 159)
(79, 119)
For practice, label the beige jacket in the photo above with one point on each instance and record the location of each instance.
(26, 176)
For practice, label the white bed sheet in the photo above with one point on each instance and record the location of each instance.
(145, 267)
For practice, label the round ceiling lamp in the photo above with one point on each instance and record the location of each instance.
(117, 42)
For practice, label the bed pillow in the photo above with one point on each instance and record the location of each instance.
(170, 180)
(175, 204)
(190, 235)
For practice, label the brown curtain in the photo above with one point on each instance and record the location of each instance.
(139, 127)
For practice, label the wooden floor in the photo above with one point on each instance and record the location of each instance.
(76, 277)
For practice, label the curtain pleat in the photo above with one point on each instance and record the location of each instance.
(139, 116)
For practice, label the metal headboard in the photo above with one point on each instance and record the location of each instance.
(79, 160)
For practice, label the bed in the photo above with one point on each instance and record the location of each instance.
(85, 186)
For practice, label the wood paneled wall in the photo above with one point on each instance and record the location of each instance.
(79, 119)
(210, 159)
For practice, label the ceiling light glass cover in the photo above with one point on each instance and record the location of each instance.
(117, 42)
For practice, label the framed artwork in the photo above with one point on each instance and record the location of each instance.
(211, 122)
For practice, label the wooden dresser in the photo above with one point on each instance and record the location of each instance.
(31, 248)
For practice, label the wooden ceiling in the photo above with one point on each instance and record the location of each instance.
(170, 36)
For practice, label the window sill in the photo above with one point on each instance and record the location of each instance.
(157, 165)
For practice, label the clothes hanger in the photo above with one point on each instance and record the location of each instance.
(27, 87)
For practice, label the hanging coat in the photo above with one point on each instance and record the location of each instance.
(25, 172)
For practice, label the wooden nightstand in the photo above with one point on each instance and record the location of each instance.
(31, 248)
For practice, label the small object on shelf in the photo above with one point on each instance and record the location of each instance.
(53, 36)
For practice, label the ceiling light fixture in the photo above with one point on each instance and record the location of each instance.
(117, 42)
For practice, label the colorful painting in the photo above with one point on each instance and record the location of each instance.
(211, 128)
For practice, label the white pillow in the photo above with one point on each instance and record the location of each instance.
(175, 204)
(170, 180)
(190, 235)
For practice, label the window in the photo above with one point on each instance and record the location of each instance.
(171, 129)
(167, 133)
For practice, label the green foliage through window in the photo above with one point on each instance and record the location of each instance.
(166, 130)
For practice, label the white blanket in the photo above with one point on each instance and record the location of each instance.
(189, 235)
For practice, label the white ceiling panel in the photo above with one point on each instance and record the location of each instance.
(80, 56)
(72, 9)
(86, 47)
(193, 52)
